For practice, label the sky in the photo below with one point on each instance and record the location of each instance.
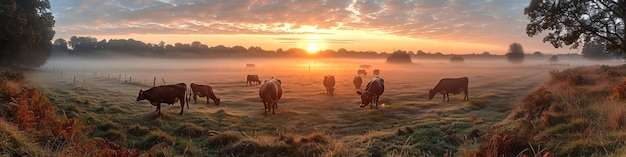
(446, 26)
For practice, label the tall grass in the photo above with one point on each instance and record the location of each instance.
(574, 114)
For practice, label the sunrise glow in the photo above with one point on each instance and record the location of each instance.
(312, 49)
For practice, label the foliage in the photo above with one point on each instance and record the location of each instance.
(596, 51)
(578, 22)
(399, 57)
(554, 58)
(516, 53)
(26, 31)
(457, 59)
(537, 102)
(569, 77)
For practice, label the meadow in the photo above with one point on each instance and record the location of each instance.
(307, 122)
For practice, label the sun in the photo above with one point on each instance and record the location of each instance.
(312, 49)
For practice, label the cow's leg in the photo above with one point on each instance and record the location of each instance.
(207, 99)
(195, 98)
(377, 101)
(274, 107)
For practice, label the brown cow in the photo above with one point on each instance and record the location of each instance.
(357, 81)
(372, 91)
(450, 85)
(270, 92)
(376, 72)
(253, 79)
(168, 94)
(329, 83)
(203, 91)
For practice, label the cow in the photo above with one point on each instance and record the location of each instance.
(270, 92)
(357, 81)
(203, 91)
(376, 72)
(361, 71)
(168, 94)
(253, 79)
(450, 85)
(372, 92)
(329, 83)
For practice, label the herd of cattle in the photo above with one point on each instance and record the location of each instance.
(271, 91)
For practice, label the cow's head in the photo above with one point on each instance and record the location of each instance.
(366, 98)
(431, 94)
(217, 101)
(141, 96)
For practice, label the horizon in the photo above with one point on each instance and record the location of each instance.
(449, 27)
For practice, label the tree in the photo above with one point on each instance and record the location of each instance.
(516, 53)
(59, 45)
(595, 51)
(25, 33)
(399, 56)
(578, 22)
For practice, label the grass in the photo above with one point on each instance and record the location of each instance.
(574, 113)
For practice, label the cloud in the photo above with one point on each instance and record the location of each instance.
(484, 21)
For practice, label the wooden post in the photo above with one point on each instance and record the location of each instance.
(74, 79)
(154, 82)
(163, 80)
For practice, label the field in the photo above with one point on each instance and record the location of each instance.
(307, 122)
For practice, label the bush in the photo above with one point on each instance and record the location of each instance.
(569, 77)
(537, 102)
(619, 91)
(457, 59)
(399, 57)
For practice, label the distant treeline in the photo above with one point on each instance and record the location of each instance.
(90, 46)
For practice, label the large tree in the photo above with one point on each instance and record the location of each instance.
(25, 32)
(516, 53)
(576, 22)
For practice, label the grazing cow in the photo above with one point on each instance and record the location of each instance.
(168, 94)
(203, 91)
(450, 85)
(253, 79)
(359, 72)
(270, 92)
(357, 81)
(376, 72)
(372, 91)
(329, 83)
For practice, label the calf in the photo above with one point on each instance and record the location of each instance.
(270, 92)
(450, 85)
(168, 94)
(372, 91)
(253, 79)
(329, 83)
(203, 91)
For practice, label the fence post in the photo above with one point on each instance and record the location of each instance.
(74, 79)
(154, 82)
(163, 80)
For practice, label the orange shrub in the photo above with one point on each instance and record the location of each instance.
(619, 91)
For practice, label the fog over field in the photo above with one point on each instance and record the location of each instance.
(104, 97)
